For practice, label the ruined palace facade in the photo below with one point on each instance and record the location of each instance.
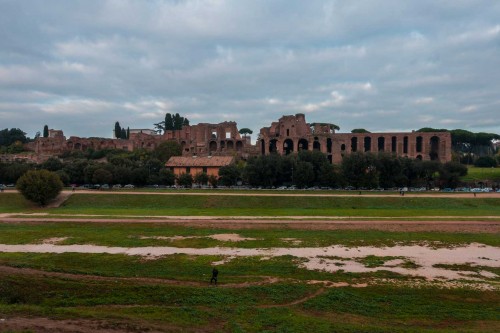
(203, 139)
(288, 135)
(291, 134)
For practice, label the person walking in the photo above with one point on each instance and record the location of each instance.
(215, 273)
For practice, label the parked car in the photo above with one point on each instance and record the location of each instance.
(117, 186)
(104, 187)
(129, 186)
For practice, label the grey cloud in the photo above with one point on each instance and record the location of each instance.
(382, 65)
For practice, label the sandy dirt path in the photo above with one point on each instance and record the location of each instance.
(472, 225)
(310, 194)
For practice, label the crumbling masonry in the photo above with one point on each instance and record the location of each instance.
(288, 135)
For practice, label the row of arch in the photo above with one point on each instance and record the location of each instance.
(215, 146)
(304, 144)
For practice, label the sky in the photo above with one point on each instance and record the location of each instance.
(385, 66)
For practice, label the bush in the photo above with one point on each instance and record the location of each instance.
(39, 186)
(485, 162)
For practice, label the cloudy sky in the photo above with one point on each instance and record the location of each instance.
(386, 65)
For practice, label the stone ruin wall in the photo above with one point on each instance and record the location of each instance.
(292, 134)
(289, 134)
(202, 140)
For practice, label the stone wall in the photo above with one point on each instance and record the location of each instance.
(292, 134)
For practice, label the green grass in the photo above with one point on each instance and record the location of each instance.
(281, 206)
(481, 174)
(179, 205)
(251, 309)
(131, 235)
(14, 202)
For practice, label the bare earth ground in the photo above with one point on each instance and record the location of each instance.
(269, 222)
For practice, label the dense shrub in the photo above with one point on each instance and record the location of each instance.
(39, 186)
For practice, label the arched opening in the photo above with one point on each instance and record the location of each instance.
(418, 146)
(330, 159)
(303, 145)
(328, 145)
(262, 147)
(273, 146)
(212, 147)
(342, 147)
(405, 145)
(434, 153)
(78, 146)
(239, 145)
(222, 145)
(354, 144)
(230, 145)
(394, 144)
(316, 145)
(381, 143)
(368, 143)
(419, 157)
(288, 146)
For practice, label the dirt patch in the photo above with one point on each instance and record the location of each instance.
(219, 237)
(59, 200)
(230, 238)
(54, 240)
(47, 325)
(425, 258)
(293, 241)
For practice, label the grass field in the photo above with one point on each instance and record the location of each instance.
(481, 174)
(130, 293)
(207, 205)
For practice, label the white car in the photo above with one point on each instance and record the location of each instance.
(129, 186)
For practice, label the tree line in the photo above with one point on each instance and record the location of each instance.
(357, 170)
(304, 169)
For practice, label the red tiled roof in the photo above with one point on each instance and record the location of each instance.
(214, 161)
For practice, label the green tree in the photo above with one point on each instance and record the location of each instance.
(52, 164)
(485, 162)
(178, 121)
(166, 177)
(159, 127)
(167, 149)
(118, 130)
(128, 133)
(169, 122)
(245, 131)
(450, 174)
(213, 180)
(185, 179)
(63, 176)
(8, 137)
(390, 171)
(46, 131)
(360, 170)
(39, 186)
(359, 130)
(304, 174)
(201, 178)
(229, 175)
(102, 176)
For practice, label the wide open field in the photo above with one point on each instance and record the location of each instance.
(308, 264)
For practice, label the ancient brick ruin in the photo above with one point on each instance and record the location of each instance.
(292, 133)
(289, 134)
